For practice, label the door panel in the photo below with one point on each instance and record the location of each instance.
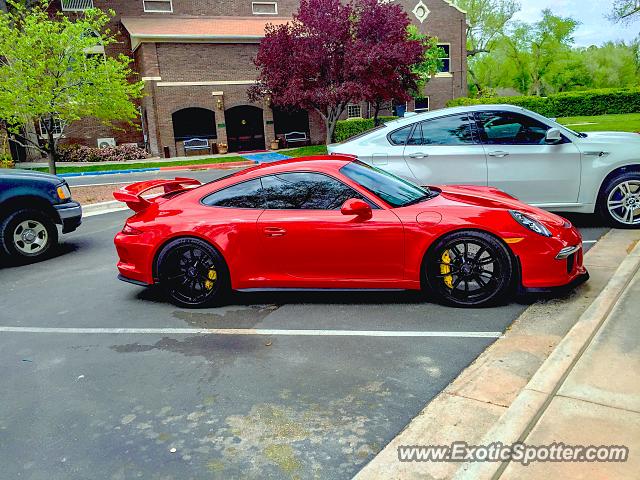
(444, 150)
(303, 245)
(521, 163)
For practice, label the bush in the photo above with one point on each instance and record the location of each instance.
(82, 153)
(569, 104)
(354, 126)
(6, 161)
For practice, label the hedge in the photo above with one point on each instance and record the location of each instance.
(349, 128)
(569, 104)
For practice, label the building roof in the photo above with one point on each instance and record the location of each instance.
(198, 29)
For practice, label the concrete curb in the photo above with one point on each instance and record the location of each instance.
(102, 207)
(533, 400)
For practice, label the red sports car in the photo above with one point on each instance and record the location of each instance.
(332, 222)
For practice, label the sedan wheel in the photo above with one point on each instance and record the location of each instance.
(623, 202)
(192, 273)
(469, 269)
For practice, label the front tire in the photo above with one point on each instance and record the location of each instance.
(469, 269)
(27, 235)
(192, 273)
(619, 201)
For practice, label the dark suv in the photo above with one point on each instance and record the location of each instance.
(31, 205)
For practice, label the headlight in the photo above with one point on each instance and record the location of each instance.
(530, 223)
(63, 192)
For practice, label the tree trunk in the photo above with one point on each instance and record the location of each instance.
(376, 110)
(52, 154)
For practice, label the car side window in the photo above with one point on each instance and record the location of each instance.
(400, 137)
(305, 191)
(511, 128)
(450, 130)
(241, 195)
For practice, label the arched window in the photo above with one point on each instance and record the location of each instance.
(194, 123)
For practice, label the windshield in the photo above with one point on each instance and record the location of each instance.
(393, 190)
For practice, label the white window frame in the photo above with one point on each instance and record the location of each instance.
(351, 107)
(421, 110)
(445, 73)
(253, 10)
(68, 9)
(170, 2)
(57, 125)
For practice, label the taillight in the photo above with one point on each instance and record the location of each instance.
(129, 230)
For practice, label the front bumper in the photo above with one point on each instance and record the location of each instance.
(70, 214)
(547, 264)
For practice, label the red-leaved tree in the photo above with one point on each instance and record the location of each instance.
(384, 53)
(335, 53)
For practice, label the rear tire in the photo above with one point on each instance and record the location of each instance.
(192, 273)
(469, 269)
(27, 235)
(619, 201)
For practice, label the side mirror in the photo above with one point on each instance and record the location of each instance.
(554, 135)
(355, 206)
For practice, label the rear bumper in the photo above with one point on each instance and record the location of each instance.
(131, 280)
(70, 216)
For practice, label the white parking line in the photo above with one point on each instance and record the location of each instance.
(249, 331)
(589, 242)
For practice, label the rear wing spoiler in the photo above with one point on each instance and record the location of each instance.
(132, 194)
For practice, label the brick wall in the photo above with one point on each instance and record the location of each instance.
(198, 62)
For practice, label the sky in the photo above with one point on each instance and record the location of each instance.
(595, 28)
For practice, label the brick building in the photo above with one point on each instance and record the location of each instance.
(195, 58)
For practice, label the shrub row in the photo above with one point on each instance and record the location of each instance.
(569, 104)
(349, 128)
(81, 153)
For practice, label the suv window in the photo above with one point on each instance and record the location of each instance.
(510, 128)
(240, 195)
(451, 130)
(399, 137)
(305, 191)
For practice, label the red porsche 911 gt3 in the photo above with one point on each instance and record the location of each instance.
(332, 222)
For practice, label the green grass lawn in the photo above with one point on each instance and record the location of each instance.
(99, 167)
(620, 123)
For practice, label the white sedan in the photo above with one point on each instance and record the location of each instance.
(518, 151)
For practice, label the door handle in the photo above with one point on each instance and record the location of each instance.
(499, 154)
(274, 231)
(418, 155)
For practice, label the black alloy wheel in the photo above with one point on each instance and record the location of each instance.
(469, 269)
(192, 273)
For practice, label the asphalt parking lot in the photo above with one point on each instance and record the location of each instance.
(103, 379)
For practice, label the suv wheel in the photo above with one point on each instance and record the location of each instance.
(619, 201)
(27, 235)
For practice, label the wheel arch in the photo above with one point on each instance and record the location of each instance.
(631, 168)
(432, 245)
(33, 202)
(183, 236)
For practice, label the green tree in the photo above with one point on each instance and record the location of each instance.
(625, 10)
(51, 75)
(536, 48)
(431, 62)
(487, 21)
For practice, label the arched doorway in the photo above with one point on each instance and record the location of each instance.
(245, 130)
(194, 122)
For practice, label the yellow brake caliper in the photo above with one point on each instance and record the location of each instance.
(212, 276)
(445, 267)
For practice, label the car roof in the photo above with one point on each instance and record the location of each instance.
(320, 163)
(452, 111)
